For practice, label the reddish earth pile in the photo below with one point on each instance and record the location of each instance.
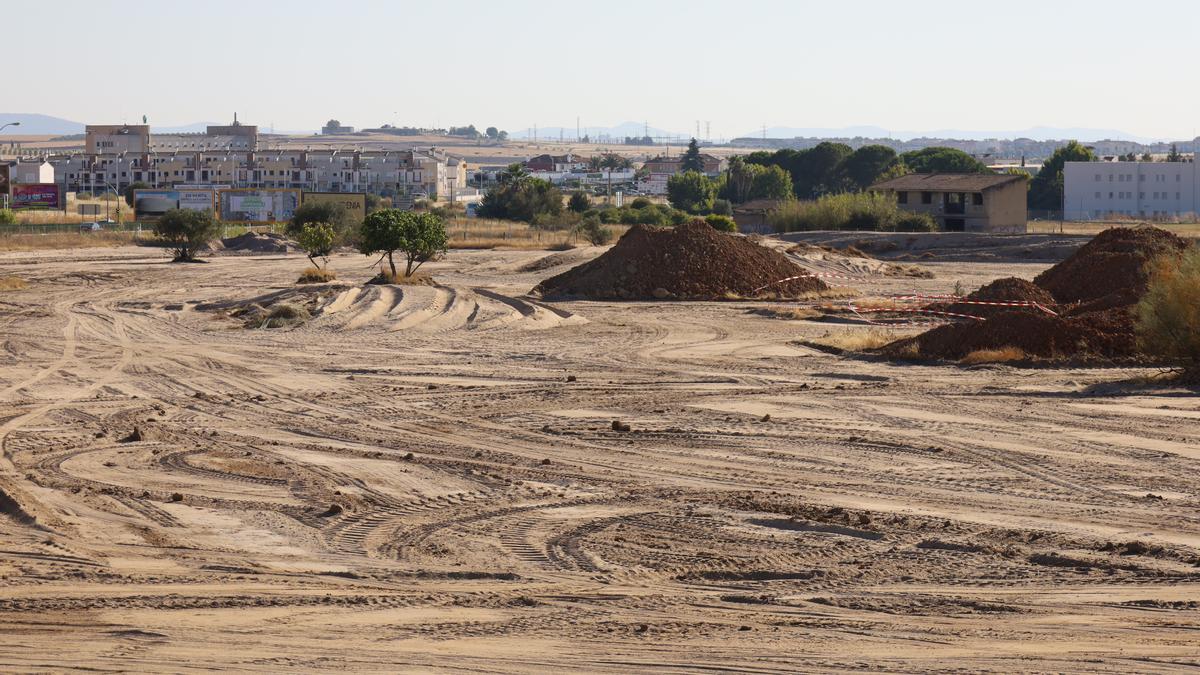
(691, 261)
(1008, 289)
(1094, 292)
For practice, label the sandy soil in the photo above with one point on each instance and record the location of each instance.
(428, 479)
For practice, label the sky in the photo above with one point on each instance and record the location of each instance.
(914, 66)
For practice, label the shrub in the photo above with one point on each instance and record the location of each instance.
(421, 237)
(521, 198)
(317, 241)
(722, 207)
(341, 220)
(691, 191)
(1168, 316)
(8, 217)
(848, 211)
(640, 203)
(722, 223)
(916, 222)
(283, 314)
(579, 202)
(84, 196)
(186, 232)
(594, 232)
(316, 275)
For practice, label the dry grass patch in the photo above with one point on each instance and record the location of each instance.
(12, 283)
(788, 313)
(316, 275)
(38, 242)
(1002, 355)
(857, 340)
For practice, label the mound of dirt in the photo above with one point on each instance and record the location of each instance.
(259, 242)
(1111, 264)
(1094, 291)
(1007, 289)
(691, 261)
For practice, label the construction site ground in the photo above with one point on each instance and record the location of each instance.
(463, 477)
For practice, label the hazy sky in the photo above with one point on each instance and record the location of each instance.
(915, 65)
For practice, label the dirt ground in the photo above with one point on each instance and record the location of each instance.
(428, 478)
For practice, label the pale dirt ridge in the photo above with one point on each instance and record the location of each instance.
(412, 481)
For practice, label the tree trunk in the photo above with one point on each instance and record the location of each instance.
(392, 263)
(409, 269)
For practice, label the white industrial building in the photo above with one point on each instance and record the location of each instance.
(1097, 190)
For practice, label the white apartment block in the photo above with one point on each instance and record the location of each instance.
(1096, 190)
(404, 175)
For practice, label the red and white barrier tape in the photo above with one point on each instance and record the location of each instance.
(955, 300)
(818, 275)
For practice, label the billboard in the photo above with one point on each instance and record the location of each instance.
(258, 205)
(35, 196)
(355, 203)
(150, 204)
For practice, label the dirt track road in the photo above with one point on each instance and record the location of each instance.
(428, 479)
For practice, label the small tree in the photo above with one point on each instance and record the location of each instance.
(317, 241)
(691, 158)
(331, 213)
(1173, 155)
(492, 132)
(128, 191)
(421, 237)
(594, 232)
(1168, 316)
(579, 202)
(186, 231)
(691, 191)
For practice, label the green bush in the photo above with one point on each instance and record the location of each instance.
(722, 223)
(579, 202)
(332, 213)
(317, 241)
(186, 232)
(594, 232)
(1168, 316)
(722, 207)
(848, 211)
(8, 217)
(640, 203)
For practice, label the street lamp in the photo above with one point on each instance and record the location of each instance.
(9, 124)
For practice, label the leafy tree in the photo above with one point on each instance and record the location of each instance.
(1130, 157)
(691, 158)
(186, 231)
(333, 124)
(336, 215)
(815, 171)
(866, 164)
(317, 241)
(1046, 189)
(421, 237)
(1147, 157)
(942, 160)
(739, 179)
(127, 191)
(579, 202)
(492, 132)
(521, 197)
(722, 207)
(1173, 155)
(691, 191)
(772, 182)
(503, 136)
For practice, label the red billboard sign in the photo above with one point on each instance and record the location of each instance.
(35, 196)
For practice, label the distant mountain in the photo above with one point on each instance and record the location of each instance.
(1035, 133)
(33, 124)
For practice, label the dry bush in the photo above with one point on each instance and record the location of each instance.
(316, 275)
(280, 315)
(1002, 355)
(1168, 317)
(12, 283)
(790, 313)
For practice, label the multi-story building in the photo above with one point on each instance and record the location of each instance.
(660, 169)
(405, 175)
(116, 138)
(1095, 190)
(963, 201)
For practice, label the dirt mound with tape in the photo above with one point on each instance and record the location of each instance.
(691, 261)
(1083, 306)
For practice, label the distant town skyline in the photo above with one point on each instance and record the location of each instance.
(917, 67)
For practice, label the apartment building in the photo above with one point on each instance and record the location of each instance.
(406, 175)
(1097, 190)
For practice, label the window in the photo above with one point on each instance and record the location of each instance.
(926, 197)
(1097, 178)
(977, 198)
(1141, 195)
(1176, 195)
